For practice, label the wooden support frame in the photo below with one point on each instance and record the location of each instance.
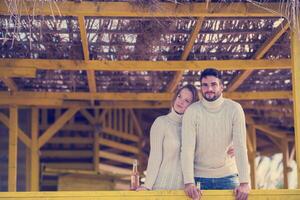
(285, 161)
(56, 126)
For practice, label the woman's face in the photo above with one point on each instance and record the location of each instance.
(183, 100)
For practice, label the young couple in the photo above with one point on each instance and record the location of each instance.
(192, 143)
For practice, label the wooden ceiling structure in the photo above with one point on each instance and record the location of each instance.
(95, 74)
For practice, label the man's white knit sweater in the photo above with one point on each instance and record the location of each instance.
(208, 130)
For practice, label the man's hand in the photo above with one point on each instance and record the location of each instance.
(192, 191)
(242, 191)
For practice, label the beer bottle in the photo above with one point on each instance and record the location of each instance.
(135, 177)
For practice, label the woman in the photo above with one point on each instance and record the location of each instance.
(164, 166)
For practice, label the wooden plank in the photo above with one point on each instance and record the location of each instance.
(13, 149)
(70, 140)
(31, 102)
(116, 157)
(120, 146)
(66, 154)
(187, 49)
(121, 134)
(54, 64)
(128, 9)
(259, 54)
(275, 194)
(271, 131)
(296, 94)
(104, 168)
(11, 72)
(50, 132)
(35, 153)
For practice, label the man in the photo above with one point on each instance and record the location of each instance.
(209, 128)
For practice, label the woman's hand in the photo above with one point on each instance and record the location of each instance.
(230, 151)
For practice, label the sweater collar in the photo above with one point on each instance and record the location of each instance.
(213, 105)
(175, 116)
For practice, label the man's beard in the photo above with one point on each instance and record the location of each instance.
(213, 98)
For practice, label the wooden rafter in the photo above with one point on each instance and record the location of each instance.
(188, 48)
(259, 55)
(11, 72)
(55, 64)
(85, 47)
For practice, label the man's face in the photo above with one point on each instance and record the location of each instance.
(211, 88)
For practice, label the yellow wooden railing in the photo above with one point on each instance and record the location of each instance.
(169, 195)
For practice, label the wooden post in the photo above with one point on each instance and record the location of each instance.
(285, 159)
(252, 154)
(28, 168)
(12, 149)
(35, 158)
(96, 147)
(296, 94)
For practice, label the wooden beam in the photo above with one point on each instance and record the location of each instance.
(259, 54)
(50, 132)
(13, 149)
(71, 140)
(187, 49)
(10, 84)
(31, 102)
(285, 160)
(128, 9)
(296, 94)
(116, 157)
(96, 151)
(271, 131)
(118, 145)
(21, 135)
(120, 134)
(66, 154)
(126, 96)
(11, 72)
(35, 157)
(251, 136)
(104, 168)
(88, 116)
(106, 65)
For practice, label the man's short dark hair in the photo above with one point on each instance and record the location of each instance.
(210, 72)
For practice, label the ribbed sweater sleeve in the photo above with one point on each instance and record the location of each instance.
(156, 151)
(240, 145)
(188, 145)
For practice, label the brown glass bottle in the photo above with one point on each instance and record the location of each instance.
(135, 177)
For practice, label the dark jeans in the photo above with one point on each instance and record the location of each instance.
(224, 183)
